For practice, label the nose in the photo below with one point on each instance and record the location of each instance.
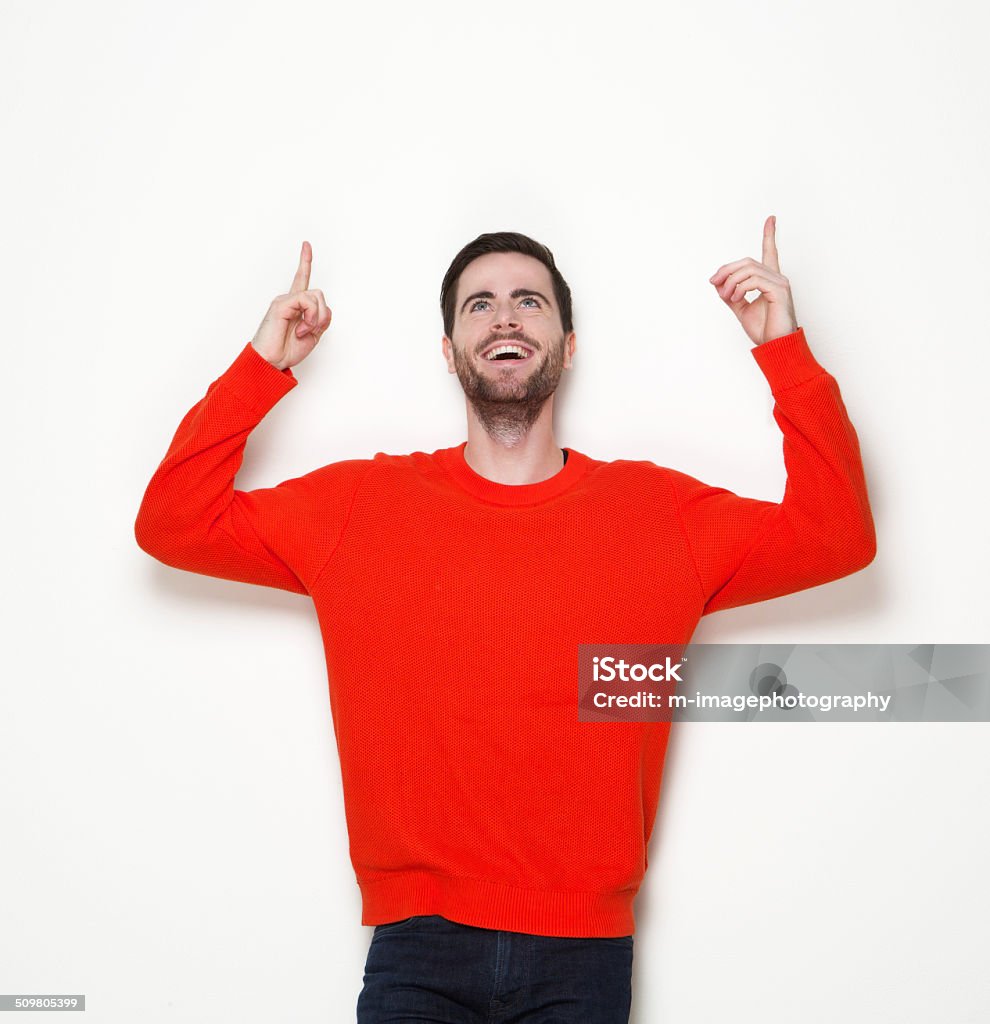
(504, 318)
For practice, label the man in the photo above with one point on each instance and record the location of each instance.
(499, 842)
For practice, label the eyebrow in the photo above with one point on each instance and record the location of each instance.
(516, 293)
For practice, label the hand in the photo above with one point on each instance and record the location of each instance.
(295, 322)
(772, 314)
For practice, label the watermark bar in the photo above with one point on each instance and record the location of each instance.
(42, 1002)
(783, 682)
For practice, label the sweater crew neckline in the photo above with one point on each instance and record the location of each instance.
(453, 461)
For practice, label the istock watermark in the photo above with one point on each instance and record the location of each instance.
(784, 682)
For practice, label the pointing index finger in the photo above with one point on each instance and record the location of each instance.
(301, 281)
(770, 244)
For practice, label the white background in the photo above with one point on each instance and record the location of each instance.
(173, 839)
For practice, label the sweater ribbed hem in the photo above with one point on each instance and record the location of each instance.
(453, 462)
(490, 904)
(256, 382)
(787, 361)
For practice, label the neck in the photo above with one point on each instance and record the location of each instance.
(513, 452)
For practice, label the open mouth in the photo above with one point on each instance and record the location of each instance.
(507, 351)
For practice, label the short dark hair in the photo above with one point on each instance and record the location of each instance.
(503, 241)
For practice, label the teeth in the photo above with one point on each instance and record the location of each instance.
(521, 352)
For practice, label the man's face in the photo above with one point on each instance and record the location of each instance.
(505, 308)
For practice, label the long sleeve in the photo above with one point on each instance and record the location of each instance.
(746, 550)
(193, 518)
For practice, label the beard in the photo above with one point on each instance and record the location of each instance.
(507, 403)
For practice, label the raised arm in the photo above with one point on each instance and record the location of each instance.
(746, 550)
(193, 518)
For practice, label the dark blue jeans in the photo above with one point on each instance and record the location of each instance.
(428, 969)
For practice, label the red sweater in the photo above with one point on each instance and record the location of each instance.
(451, 609)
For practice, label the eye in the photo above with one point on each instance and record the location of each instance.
(528, 298)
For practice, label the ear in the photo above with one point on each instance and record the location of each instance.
(569, 348)
(448, 354)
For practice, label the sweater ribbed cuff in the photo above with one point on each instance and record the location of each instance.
(255, 381)
(787, 361)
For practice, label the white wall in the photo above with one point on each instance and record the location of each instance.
(174, 842)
